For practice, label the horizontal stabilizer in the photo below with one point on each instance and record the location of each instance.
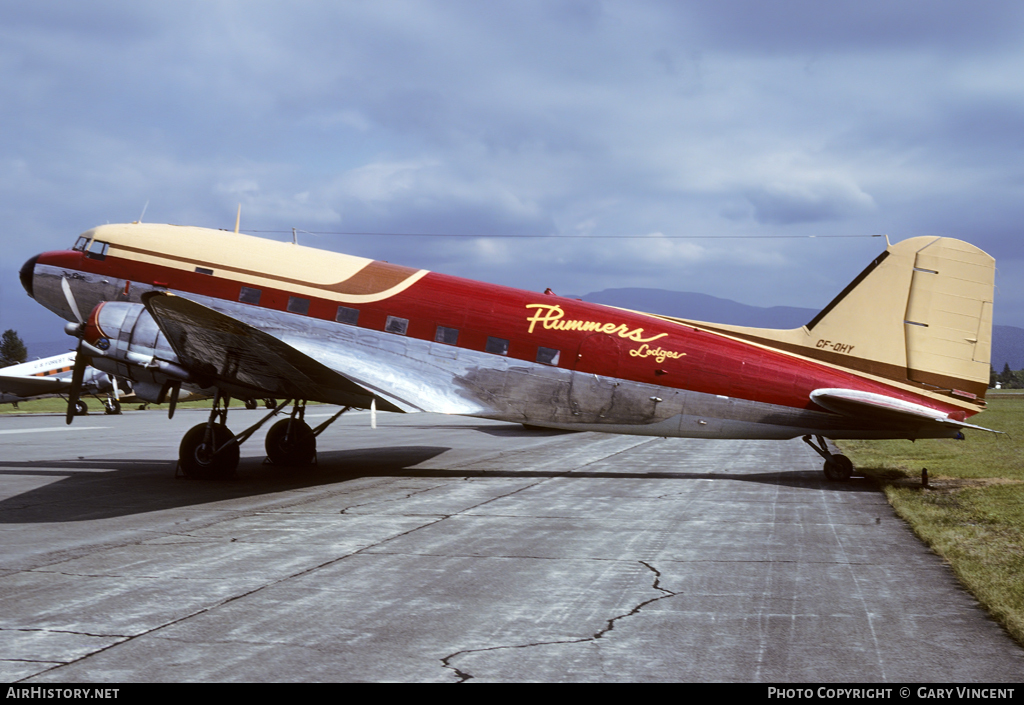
(220, 350)
(868, 406)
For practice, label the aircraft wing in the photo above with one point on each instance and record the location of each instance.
(215, 347)
(31, 386)
(883, 410)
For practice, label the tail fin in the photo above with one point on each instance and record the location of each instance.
(921, 313)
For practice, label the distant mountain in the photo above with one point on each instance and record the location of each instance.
(702, 307)
(1007, 341)
(1007, 347)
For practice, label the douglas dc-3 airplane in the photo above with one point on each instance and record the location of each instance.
(53, 375)
(902, 352)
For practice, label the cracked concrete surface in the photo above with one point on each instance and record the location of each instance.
(440, 549)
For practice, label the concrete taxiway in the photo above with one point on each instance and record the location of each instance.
(446, 549)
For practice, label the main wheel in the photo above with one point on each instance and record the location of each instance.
(112, 406)
(297, 447)
(201, 461)
(81, 409)
(838, 468)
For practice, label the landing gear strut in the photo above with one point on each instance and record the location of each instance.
(838, 468)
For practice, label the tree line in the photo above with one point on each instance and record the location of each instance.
(12, 349)
(1007, 379)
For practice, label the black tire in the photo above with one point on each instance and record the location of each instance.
(250, 404)
(112, 406)
(838, 468)
(297, 448)
(81, 409)
(197, 461)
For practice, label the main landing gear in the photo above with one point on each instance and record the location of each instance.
(838, 468)
(209, 451)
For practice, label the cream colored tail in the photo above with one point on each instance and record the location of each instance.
(921, 313)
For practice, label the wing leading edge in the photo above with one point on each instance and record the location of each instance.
(219, 349)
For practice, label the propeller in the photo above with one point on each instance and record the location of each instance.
(82, 359)
(76, 383)
(72, 304)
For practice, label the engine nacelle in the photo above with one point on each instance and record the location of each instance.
(127, 342)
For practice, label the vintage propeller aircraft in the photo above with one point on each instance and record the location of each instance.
(53, 375)
(902, 352)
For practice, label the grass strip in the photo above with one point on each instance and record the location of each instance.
(972, 512)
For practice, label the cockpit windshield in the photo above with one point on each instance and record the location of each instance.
(94, 249)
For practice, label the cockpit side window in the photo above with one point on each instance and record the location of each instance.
(97, 250)
(80, 244)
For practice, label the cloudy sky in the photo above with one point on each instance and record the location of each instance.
(746, 149)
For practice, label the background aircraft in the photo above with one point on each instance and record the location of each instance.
(53, 375)
(902, 352)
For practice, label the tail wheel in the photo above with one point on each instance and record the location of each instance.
(296, 446)
(204, 462)
(838, 468)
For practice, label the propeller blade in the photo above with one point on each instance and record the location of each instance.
(71, 299)
(175, 391)
(77, 375)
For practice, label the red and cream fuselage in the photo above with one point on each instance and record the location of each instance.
(416, 340)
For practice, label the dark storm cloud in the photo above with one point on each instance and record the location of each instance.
(575, 118)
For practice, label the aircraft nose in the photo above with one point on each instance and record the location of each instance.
(27, 271)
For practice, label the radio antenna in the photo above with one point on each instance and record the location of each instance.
(238, 218)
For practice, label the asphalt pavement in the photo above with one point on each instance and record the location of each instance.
(446, 549)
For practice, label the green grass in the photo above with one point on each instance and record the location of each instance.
(972, 514)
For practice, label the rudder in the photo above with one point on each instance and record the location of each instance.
(920, 313)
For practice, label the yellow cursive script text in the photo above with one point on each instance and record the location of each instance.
(659, 354)
(551, 317)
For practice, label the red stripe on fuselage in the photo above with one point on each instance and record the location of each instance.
(712, 363)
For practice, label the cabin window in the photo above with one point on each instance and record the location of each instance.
(298, 305)
(249, 295)
(448, 336)
(396, 325)
(547, 356)
(347, 315)
(204, 270)
(497, 346)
